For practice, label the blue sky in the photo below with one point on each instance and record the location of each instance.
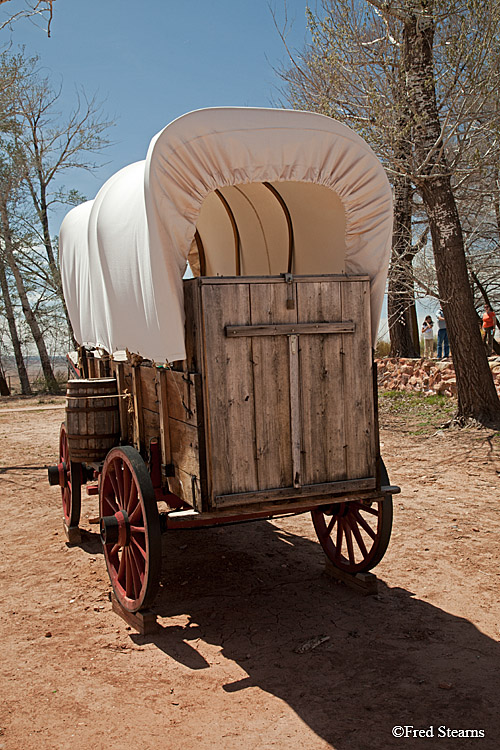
(155, 60)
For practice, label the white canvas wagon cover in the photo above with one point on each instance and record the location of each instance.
(241, 179)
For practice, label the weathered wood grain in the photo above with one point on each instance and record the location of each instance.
(148, 388)
(360, 428)
(326, 489)
(119, 371)
(322, 388)
(193, 326)
(271, 383)
(187, 487)
(229, 391)
(151, 427)
(184, 447)
(137, 401)
(290, 329)
(181, 395)
(92, 418)
(163, 413)
(222, 280)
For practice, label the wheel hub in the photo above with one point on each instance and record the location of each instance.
(116, 529)
(58, 475)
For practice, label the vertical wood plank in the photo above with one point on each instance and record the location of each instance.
(138, 428)
(192, 294)
(295, 420)
(122, 402)
(182, 398)
(151, 427)
(161, 383)
(229, 390)
(360, 425)
(148, 388)
(322, 385)
(270, 358)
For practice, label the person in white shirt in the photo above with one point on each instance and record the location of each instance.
(428, 336)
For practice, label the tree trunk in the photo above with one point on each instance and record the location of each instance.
(401, 292)
(477, 397)
(414, 327)
(52, 384)
(42, 208)
(11, 320)
(400, 298)
(4, 386)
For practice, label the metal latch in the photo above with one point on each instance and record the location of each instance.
(290, 302)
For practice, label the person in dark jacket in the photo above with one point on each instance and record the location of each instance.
(442, 343)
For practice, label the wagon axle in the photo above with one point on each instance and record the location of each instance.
(59, 475)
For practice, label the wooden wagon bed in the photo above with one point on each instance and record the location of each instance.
(274, 401)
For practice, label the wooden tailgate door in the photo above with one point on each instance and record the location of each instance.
(287, 387)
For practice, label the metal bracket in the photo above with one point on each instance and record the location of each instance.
(290, 301)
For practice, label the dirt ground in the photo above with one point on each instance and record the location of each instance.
(235, 605)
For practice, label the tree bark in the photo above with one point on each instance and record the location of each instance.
(4, 386)
(400, 297)
(40, 202)
(401, 292)
(477, 397)
(11, 320)
(52, 384)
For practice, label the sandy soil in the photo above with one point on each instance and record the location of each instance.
(236, 603)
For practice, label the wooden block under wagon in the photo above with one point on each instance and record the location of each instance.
(143, 621)
(73, 534)
(365, 583)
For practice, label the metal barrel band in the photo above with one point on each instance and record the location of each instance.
(90, 410)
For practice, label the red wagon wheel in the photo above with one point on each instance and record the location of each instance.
(71, 484)
(354, 535)
(130, 528)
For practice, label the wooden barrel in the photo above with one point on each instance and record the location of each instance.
(92, 418)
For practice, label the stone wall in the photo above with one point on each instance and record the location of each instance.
(427, 376)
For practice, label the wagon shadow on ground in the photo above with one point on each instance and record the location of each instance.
(258, 592)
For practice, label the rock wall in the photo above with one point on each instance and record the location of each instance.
(427, 376)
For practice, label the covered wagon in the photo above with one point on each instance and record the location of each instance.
(245, 388)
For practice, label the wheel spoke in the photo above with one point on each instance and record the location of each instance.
(348, 538)
(366, 508)
(119, 468)
(357, 535)
(141, 549)
(330, 526)
(114, 483)
(109, 503)
(127, 477)
(133, 500)
(338, 546)
(121, 568)
(364, 524)
(129, 581)
(136, 514)
(136, 573)
(137, 530)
